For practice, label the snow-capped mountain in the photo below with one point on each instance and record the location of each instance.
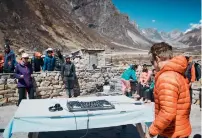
(175, 38)
(173, 35)
(152, 34)
(192, 37)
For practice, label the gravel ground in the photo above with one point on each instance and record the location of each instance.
(8, 111)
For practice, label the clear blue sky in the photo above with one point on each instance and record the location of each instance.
(164, 15)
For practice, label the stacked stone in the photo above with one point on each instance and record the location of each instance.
(91, 81)
(8, 92)
(48, 85)
(81, 63)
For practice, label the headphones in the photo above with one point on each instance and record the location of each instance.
(57, 107)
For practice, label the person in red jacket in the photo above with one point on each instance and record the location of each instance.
(1, 63)
(171, 94)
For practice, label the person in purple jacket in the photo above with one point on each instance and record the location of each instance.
(23, 73)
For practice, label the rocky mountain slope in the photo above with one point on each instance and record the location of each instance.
(102, 16)
(169, 37)
(38, 24)
(173, 35)
(152, 34)
(67, 24)
(191, 38)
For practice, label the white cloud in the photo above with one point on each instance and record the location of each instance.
(194, 26)
(153, 21)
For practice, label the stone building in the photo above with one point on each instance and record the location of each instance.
(85, 58)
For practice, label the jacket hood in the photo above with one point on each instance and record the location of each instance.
(177, 64)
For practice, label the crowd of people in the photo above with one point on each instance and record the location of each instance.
(169, 86)
(140, 88)
(23, 67)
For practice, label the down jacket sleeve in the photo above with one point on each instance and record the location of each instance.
(167, 98)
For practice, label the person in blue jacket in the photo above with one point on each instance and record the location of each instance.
(49, 61)
(128, 75)
(9, 59)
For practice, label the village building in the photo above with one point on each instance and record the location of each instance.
(89, 58)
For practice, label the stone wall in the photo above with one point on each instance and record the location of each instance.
(50, 84)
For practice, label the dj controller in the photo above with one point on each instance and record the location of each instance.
(74, 106)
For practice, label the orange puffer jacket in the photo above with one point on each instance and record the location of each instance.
(172, 101)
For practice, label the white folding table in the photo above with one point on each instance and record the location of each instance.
(34, 115)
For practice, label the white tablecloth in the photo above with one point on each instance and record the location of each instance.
(34, 116)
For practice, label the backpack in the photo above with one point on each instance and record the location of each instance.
(197, 71)
(188, 71)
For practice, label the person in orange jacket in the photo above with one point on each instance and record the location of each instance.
(171, 94)
(1, 63)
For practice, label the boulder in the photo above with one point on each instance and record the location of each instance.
(51, 73)
(57, 86)
(43, 74)
(42, 93)
(45, 83)
(2, 87)
(3, 101)
(60, 78)
(56, 78)
(38, 79)
(8, 95)
(12, 86)
(16, 95)
(34, 75)
(63, 93)
(45, 96)
(63, 86)
(2, 81)
(57, 91)
(11, 91)
(83, 93)
(38, 84)
(55, 82)
(49, 92)
(11, 81)
(2, 92)
(96, 75)
(55, 94)
(44, 88)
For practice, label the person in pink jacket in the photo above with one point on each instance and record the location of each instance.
(144, 81)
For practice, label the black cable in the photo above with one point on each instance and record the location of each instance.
(87, 127)
(76, 123)
(74, 117)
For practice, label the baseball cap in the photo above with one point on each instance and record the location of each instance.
(25, 55)
(49, 49)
